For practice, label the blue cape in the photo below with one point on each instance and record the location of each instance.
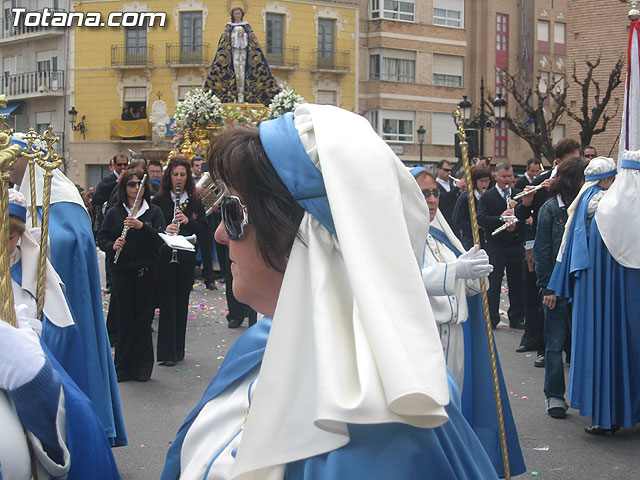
(73, 255)
(478, 401)
(374, 452)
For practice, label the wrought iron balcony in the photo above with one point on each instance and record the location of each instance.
(126, 55)
(286, 57)
(7, 30)
(181, 54)
(331, 60)
(32, 83)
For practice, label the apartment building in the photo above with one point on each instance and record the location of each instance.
(312, 46)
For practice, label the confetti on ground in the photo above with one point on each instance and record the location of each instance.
(144, 445)
(544, 448)
(534, 473)
(529, 355)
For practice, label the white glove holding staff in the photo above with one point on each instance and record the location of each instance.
(473, 264)
(21, 355)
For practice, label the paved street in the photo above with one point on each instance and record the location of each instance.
(553, 449)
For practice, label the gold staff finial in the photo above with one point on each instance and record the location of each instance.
(48, 161)
(31, 153)
(483, 290)
(8, 157)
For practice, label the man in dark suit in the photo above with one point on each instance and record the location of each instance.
(533, 337)
(450, 190)
(505, 249)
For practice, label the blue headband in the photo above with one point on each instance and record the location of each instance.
(599, 176)
(632, 164)
(304, 181)
(25, 146)
(415, 171)
(18, 210)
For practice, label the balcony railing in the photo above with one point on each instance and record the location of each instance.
(178, 54)
(8, 30)
(287, 57)
(336, 60)
(125, 55)
(32, 82)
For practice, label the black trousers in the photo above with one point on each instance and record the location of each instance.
(237, 310)
(533, 336)
(175, 282)
(205, 243)
(133, 291)
(509, 257)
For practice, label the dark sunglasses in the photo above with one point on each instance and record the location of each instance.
(428, 193)
(446, 169)
(589, 155)
(234, 217)
(133, 183)
(122, 164)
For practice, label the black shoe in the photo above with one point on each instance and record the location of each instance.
(123, 379)
(525, 348)
(596, 430)
(517, 325)
(234, 323)
(539, 361)
(168, 363)
(210, 286)
(143, 379)
(557, 412)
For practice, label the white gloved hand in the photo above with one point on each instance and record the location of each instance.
(473, 264)
(21, 355)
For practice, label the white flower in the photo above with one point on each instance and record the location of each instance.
(285, 101)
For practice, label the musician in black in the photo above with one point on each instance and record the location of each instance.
(506, 249)
(176, 277)
(134, 274)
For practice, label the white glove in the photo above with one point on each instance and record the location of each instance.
(473, 264)
(21, 356)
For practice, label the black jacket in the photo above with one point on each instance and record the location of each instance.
(193, 210)
(490, 207)
(103, 190)
(448, 201)
(143, 246)
(462, 222)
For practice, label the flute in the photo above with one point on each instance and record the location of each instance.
(125, 229)
(527, 192)
(509, 221)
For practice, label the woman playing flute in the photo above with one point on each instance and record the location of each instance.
(133, 277)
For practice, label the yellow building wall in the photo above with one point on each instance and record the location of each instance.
(96, 81)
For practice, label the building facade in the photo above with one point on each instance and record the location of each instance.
(35, 70)
(312, 46)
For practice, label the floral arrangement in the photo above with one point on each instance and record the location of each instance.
(235, 115)
(285, 101)
(199, 109)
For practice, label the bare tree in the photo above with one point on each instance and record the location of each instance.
(535, 115)
(593, 120)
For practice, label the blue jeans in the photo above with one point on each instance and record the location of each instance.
(557, 331)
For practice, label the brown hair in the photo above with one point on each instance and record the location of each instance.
(569, 179)
(426, 173)
(165, 185)
(16, 225)
(478, 172)
(564, 147)
(239, 161)
(122, 186)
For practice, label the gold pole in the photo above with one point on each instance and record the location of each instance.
(32, 153)
(48, 163)
(483, 290)
(8, 156)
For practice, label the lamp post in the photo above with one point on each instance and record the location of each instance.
(482, 122)
(421, 132)
(80, 126)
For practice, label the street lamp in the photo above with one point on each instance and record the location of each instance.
(421, 132)
(80, 126)
(481, 122)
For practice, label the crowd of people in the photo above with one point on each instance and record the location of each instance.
(133, 113)
(359, 362)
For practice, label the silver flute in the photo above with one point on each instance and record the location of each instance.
(518, 196)
(136, 203)
(509, 221)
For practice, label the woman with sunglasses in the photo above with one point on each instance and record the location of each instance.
(176, 278)
(481, 178)
(344, 377)
(134, 275)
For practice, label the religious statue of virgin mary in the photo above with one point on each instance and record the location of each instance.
(239, 71)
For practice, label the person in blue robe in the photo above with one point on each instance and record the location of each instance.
(348, 380)
(604, 382)
(66, 439)
(73, 255)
